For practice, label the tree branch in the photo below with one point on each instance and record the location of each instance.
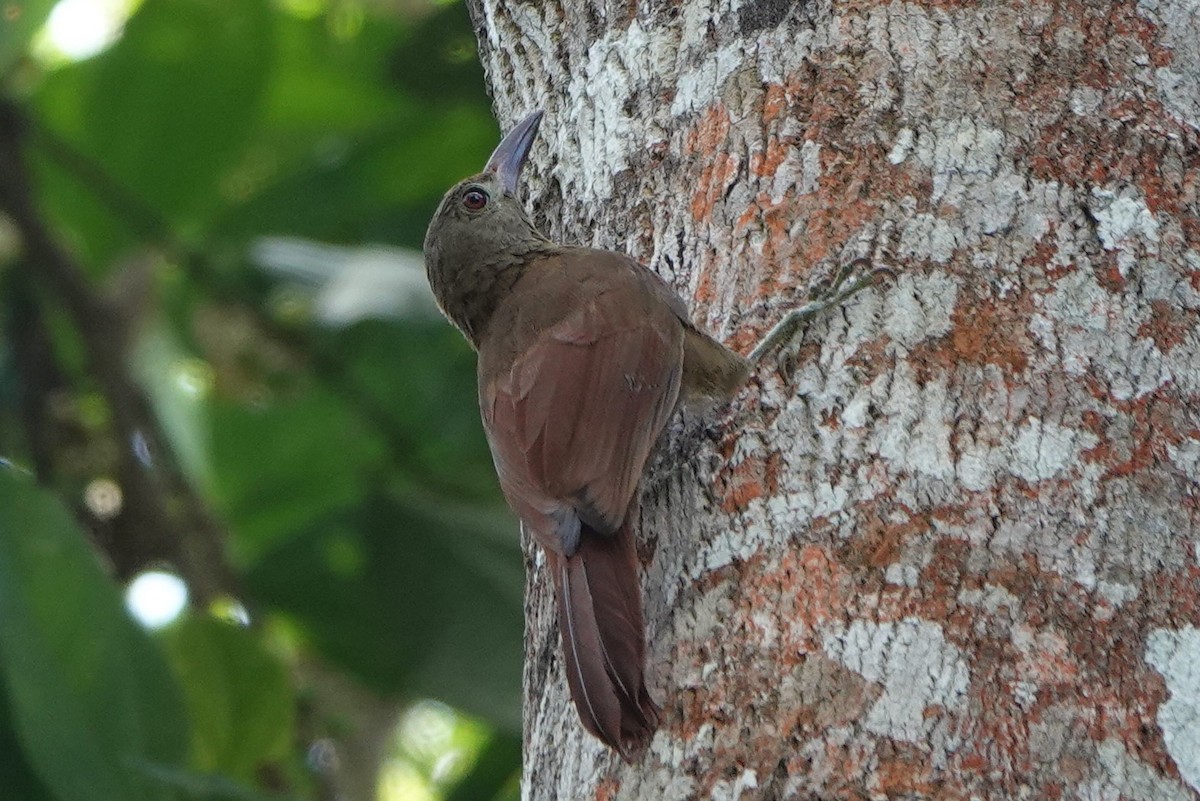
(162, 517)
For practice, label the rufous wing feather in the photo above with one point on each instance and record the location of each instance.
(573, 407)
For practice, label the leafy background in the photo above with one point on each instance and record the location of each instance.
(218, 362)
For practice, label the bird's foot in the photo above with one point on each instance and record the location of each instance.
(846, 283)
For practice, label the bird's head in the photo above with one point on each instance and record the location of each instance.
(481, 218)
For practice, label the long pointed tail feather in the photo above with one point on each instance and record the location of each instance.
(603, 638)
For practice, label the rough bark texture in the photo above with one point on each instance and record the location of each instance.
(949, 547)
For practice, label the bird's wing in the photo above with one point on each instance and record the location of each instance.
(574, 410)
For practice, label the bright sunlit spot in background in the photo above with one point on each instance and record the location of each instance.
(434, 747)
(193, 377)
(401, 781)
(79, 29)
(156, 598)
(103, 498)
(231, 610)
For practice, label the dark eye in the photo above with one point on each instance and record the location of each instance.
(475, 199)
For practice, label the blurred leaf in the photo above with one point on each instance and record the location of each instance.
(323, 82)
(238, 695)
(280, 466)
(211, 123)
(411, 600)
(175, 383)
(350, 149)
(88, 691)
(19, 21)
(86, 220)
(147, 132)
(282, 463)
(175, 98)
(424, 375)
(382, 185)
(16, 776)
(438, 61)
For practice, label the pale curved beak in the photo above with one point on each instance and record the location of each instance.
(509, 156)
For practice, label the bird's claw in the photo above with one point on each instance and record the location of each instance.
(844, 286)
(833, 292)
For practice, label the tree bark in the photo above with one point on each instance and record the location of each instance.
(948, 545)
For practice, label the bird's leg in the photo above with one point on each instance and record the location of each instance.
(845, 284)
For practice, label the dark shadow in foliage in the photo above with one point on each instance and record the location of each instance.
(16, 777)
(437, 61)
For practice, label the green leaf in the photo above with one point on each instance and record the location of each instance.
(174, 100)
(438, 61)
(412, 599)
(324, 83)
(174, 380)
(238, 694)
(19, 21)
(424, 375)
(149, 134)
(278, 467)
(89, 693)
(378, 186)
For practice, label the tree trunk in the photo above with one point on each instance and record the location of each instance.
(948, 545)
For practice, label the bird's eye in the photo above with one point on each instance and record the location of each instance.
(475, 199)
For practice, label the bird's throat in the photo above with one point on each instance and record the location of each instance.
(469, 294)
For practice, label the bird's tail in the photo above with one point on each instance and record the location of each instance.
(603, 638)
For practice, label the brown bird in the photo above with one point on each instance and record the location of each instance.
(583, 356)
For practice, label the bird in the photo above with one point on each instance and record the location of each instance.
(583, 356)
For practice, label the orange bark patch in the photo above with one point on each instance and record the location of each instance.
(843, 202)
(823, 586)
(808, 587)
(706, 290)
(714, 179)
(1167, 326)
(709, 134)
(754, 477)
(696, 708)
(990, 333)
(1096, 147)
(946, 5)
(945, 569)
(775, 102)
(878, 544)
(1191, 236)
(1045, 657)
(1152, 430)
(906, 776)
(765, 163)
(797, 231)
(706, 141)
(607, 790)
(770, 224)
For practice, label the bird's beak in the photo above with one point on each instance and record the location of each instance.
(509, 156)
